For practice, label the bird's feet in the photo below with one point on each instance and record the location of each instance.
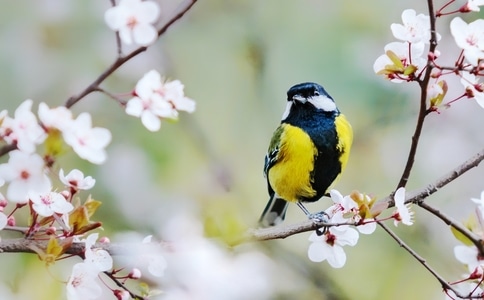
(318, 218)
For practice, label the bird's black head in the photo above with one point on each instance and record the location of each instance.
(310, 95)
(306, 90)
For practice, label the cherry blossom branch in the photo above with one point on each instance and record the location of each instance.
(94, 86)
(284, 231)
(423, 101)
(420, 259)
(416, 196)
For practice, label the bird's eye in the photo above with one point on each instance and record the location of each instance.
(316, 93)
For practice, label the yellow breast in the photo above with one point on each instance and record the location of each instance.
(290, 176)
(345, 139)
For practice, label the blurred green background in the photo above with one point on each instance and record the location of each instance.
(237, 59)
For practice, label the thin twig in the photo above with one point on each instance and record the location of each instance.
(121, 285)
(401, 243)
(475, 239)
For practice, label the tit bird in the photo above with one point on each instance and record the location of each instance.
(307, 152)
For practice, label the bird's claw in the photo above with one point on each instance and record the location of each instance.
(318, 218)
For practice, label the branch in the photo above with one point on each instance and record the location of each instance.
(6, 149)
(423, 101)
(475, 239)
(123, 59)
(416, 196)
(421, 260)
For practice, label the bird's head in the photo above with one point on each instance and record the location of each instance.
(309, 94)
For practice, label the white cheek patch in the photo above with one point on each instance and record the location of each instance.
(323, 102)
(287, 111)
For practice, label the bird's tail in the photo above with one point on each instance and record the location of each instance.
(274, 213)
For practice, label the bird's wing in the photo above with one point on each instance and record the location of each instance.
(272, 155)
(270, 160)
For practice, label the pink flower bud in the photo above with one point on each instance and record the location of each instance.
(11, 221)
(66, 194)
(104, 240)
(121, 294)
(3, 203)
(134, 274)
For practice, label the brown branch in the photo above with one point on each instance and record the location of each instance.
(416, 196)
(6, 149)
(21, 245)
(474, 238)
(421, 260)
(423, 101)
(185, 7)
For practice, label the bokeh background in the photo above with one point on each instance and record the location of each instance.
(237, 59)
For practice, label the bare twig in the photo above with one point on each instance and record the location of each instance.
(474, 238)
(122, 286)
(421, 260)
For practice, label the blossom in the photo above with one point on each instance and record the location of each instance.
(23, 130)
(58, 117)
(401, 61)
(75, 179)
(468, 256)
(346, 209)
(472, 5)
(474, 89)
(470, 38)
(155, 99)
(133, 20)
(122, 294)
(25, 174)
(156, 263)
(82, 284)
(479, 201)
(88, 142)
(50, 203)
(402, 213)
(329, 246)
(99, 259)
(415, 28)
(436, 92)
(480, 205)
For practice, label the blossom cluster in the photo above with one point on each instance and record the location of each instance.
(355, 209)
(407, 59)
(30, 178)
(133, 20)
(404, 60)
(83, 282)
(26, 171)
(155, 98)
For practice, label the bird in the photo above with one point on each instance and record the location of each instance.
(307, 153)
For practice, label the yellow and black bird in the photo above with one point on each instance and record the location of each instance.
(307, 153)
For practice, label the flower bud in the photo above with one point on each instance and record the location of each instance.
(135, 274)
